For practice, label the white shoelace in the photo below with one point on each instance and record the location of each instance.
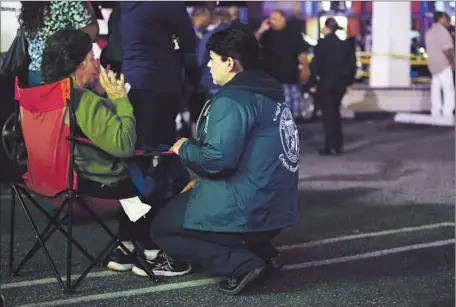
(165, 263)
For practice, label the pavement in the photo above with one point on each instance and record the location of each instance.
(376, 229)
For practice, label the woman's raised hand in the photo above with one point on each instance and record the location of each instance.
(114, 89)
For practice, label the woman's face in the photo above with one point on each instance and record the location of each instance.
(326, 31)
(88, 70)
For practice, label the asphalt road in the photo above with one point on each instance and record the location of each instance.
(376, 229)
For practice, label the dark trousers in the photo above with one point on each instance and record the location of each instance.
(155, 114)
(137, 231)
(128, 231)
(225, 254)
(330, 99)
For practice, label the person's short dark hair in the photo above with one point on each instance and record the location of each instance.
(332, 24)
(238, 43)
(438, 15)
(63, 52)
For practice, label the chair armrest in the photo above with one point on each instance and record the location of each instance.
(137, 154)
(81, 140)
(147, 153)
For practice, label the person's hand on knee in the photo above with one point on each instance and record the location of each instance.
(189, 186)
(175, 148)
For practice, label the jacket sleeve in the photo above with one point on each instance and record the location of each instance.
(228, 127)
(315, 65)
(110, 125)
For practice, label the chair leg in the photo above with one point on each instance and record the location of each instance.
(12, 229)
(45, 235)
(53, 219)
(38, 237)
(69, 244)
(102, 254)
(54, 224)
(142, 262)
(114, 237)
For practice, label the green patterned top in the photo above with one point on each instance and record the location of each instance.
(60, 15)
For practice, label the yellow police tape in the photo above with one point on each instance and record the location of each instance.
(392, 55)
(364, 57)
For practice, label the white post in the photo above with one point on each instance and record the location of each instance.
(391, 25)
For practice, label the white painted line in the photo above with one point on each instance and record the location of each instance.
(44, 281)
(208, 281)
(374, 254)
(106, 273)
(365, 235)
(127, 293)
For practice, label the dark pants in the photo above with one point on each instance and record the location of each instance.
(137, 231)
(330, 99)
(225, 254)
(128, 231)
(155, 114)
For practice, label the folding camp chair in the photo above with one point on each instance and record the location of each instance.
(47, 123)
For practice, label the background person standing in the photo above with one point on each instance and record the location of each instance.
(153, 67)
(440, 49)
(284, 51)
(40, 19)
(332, 70)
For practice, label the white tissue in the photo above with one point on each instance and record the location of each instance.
(134, 208)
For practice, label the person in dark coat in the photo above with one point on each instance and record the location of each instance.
(333, 69)
(285, 57)
(246, 158)
(153, 67)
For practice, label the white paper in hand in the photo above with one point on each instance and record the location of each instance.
(134, 208)
(127, 87)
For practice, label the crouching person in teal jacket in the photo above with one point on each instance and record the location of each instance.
(246, 158)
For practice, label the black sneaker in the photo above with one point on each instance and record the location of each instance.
(235, 285)
(163, 265)
(270, 256)
(120, 261)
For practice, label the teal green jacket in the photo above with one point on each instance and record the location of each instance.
(110, 125)
(246, 157)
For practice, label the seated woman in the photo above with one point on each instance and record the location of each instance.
(110, 125)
